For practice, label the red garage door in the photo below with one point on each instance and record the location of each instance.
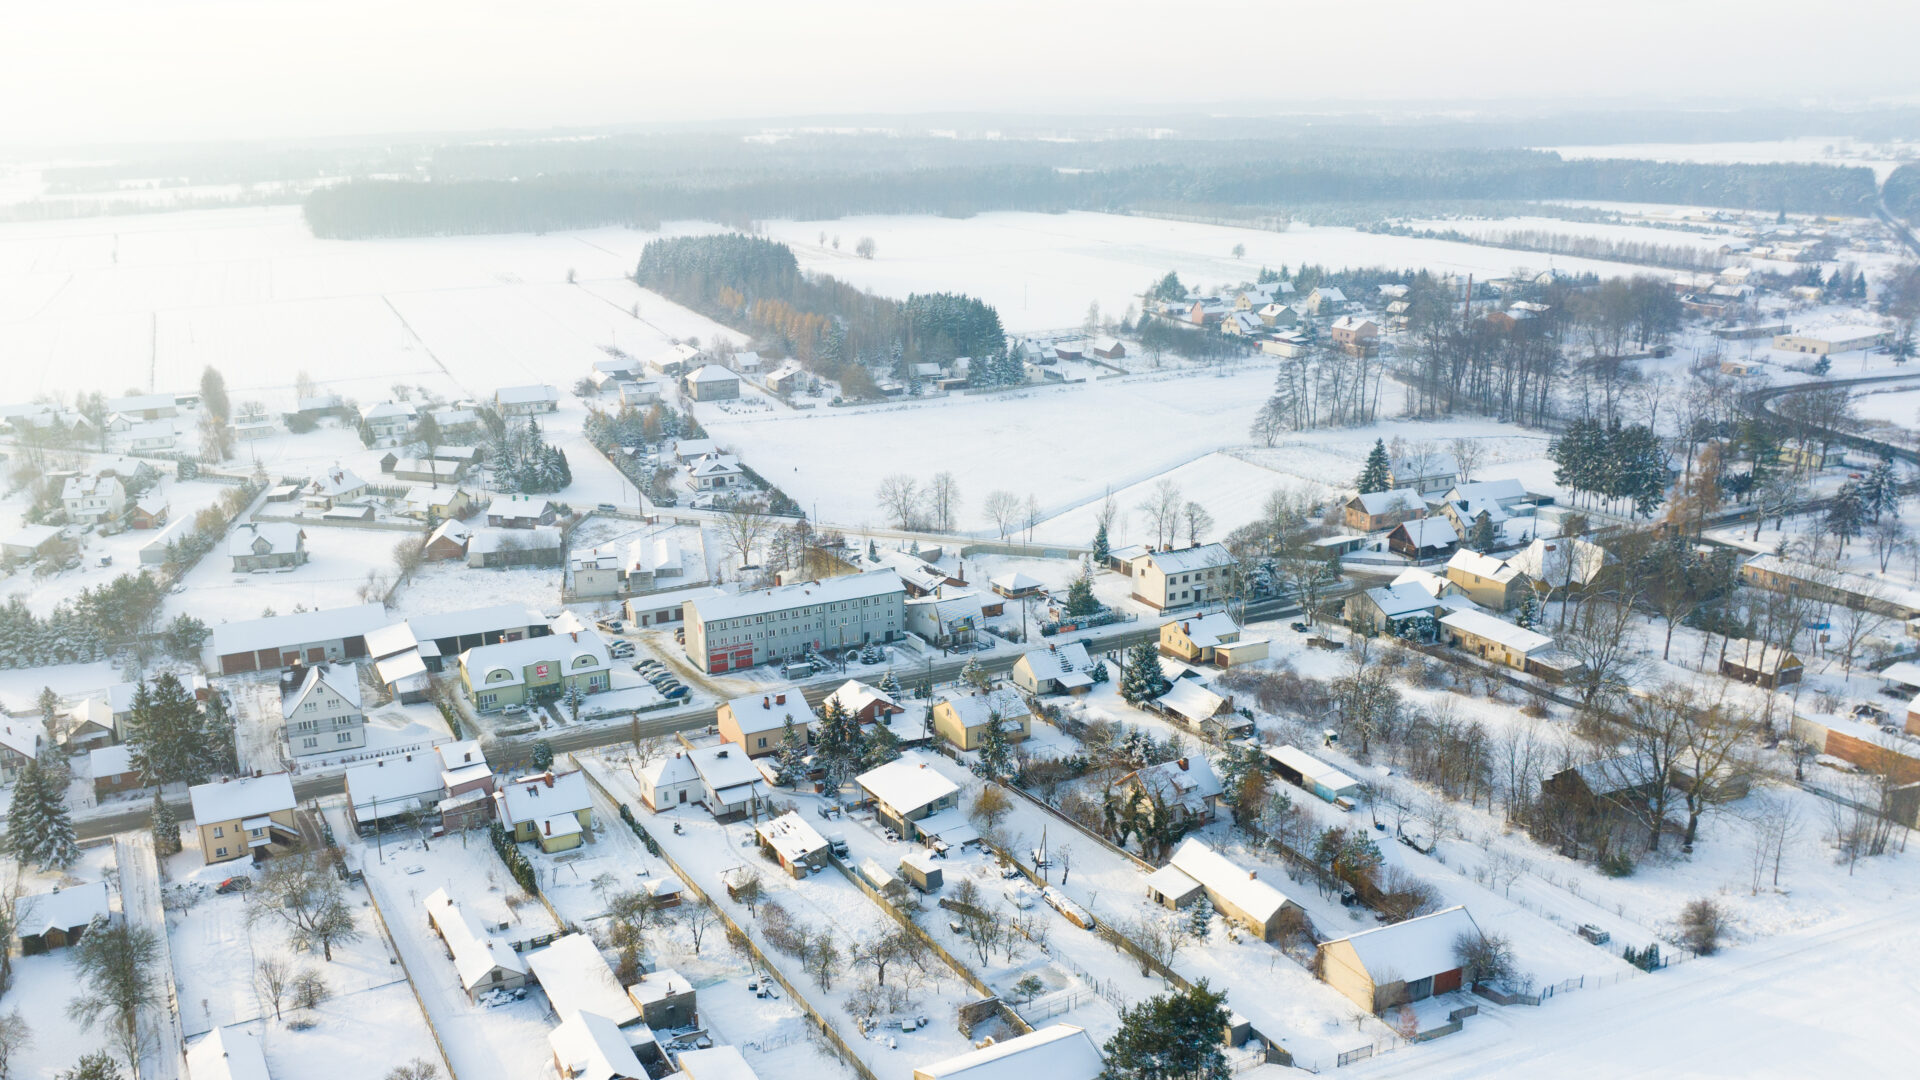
(717, 662)
(235, 663)
(743, 657)
(1446, 982)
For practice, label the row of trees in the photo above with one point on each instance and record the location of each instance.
(523, 462)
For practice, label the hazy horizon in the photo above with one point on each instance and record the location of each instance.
(120, 72)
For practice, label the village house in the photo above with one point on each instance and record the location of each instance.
(757, 722)
(908, 793)
(735, 632)
(1373, 511)
(716, 1063)
(948, 619)
(1054, 1052)
(483, 962)
(786, 378)
(1777, 573)
(437, 503)
(1561, 563)
(1393, 965)
(1509, 494)
(231, 1053)
(496, 548)
(35, 541)
(715, 472)
(588, 1046)
(266, 545)
(321, 707)
(1759, 663)
(90, 499)
(1287, 344)
(525, 400)
(794, 844)
(1056, 669)
(1583, 797)
(669, 606)
(1506, 644)
(1326, 300)
(1015, 585)
(1211, 639)
(1187, 788)
(963, 719)
(430, 471)
(447, 541)
(112, 770)
(1201, 705)
(668, 781)
(1385, 607)
(149, 511)
(393, 787)
(577, 979)
(1356, 335)
(145, 406)
(250, 815)
(336, 486)
(1108, 348)
(1423, 538)
(554, 810)
(864, 703)
(55, 920)
(1424, 474)
(713, 383)
(520, 512)
(1278, 316)
(731, 784)
(21, 738)
(535, 669)
(1827, 340)
(1466, 516)
(1236, 892)
(1191, 575)
(1487, 581)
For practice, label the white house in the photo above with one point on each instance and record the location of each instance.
(1054, 1052)
(323, 713)
(93, 498)
(525, 400)
(1055, 669)
(483, 962)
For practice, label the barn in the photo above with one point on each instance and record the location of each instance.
(312, 637)
(1392, 965)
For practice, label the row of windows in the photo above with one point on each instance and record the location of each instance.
(795, 613)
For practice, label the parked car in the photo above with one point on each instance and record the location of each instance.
(676, 693)
(234, 885)
(612, 625)
(608, 508)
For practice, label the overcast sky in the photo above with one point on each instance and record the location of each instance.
(80, 71)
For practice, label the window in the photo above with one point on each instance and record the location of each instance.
(220, 853)
(219, 831)
(312, 706)
(344, 737)
(310, 743)
(763, 742)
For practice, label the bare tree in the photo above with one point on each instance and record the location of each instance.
(302, 891)
(1887, 536)
(1198, 521)
(697, 919)
(408, 555)
(1467, 455)
(1003, 509)
(116, 964)
(745, 524)
(1600, 638)
(943, 501)
(273, 975)
(899, 496)
(15, 1037)
(417, 1069)
(1711, 766)
(864, 248)
(1773, 823)
(1162, 509)
(1033, 514)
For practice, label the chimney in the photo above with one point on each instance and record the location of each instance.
(1253, 875)
(548, 777)
(764, 703)
(574, 634)
(1183, 764)
(1186, 628)
(547, 827)
(721, 754)
(779, 699)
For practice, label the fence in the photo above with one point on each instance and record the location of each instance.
(1061, 1001)
(379, 916)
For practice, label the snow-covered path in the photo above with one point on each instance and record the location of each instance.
(140, 901)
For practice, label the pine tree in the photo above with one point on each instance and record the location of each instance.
(880, 747)
(888, 684)
(1101, 549)
(1142, 678)
(996, 753)
(1200, 918)
(1374, 477)
(974, 675)
(166, 831)
(1480, 537)
(39, 829)
(1174, 1036)
(1080, 598)
(222, 745)
(792, 754)
(1528, 615)
(168, 735)
(1846, 514)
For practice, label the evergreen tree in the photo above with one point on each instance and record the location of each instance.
(1200, 918)
(836, 742)
(222, 745)
(1374, 476)
(542, 755)
(974, 675)
(881, 746)
(168, 735)
(1080, 598)
(166, 831)
(39, 829)
(1142, 678)
(1527, 616)
(1846, 514)
(792, 754)
(888, 684)
(1480, 538)
(1173, 1036)
(1880, 491)
(996, 753)
(1101, 548)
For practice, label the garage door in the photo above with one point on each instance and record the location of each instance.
(235, 663)
(717, 662)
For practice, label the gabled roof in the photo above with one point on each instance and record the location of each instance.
(298, 628)
(716, 1063)
(62, 909)
(1608, 775)
(1187, 782)
(545, 795)
(342, 679)
(1759, 656)
(1400, 599)
(712, 373)
(248, 796)
(725, 768)
(1561, 561)
(1375, 503)
(22, 734)
(1480, 624)
(1437, 464)
(1235, 883)
(1414, 949)
(1500, 491)
(1312, 768)
(476, 953)
(1054, 1052)
(907, 783)
(1015, 581)
(486, 541)
(1428, 532)
(592, 1047)
(115, 760)
(1210, 630)
(1486, 566)
(1191, 699)
(1427, 581)
(387, 410)
(975, 710)
(525, 395)
(854, 695)
(675, 769)
(1197, 557)
(227, 1054)
(759, 712)
(577, 979)
(1056, 661)
(377, 789)
(518, 506)
(791, 836)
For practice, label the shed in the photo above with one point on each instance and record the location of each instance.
(57, 919)
(922, 871)
(1408, 961)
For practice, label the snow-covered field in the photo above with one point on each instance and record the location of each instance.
(1811, 149)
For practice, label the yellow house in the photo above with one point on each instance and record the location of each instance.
(1493, 639)
(438, 502)
(963, 719)
(248, 816)
(758, 722)
(553, 811)
(1492, 583)
(1392, 965)
(1211, 639)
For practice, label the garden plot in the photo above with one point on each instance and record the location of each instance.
(43, 593)
(338, 564)
(1229, 489)
(451, 586)
(368, 1017)
(507, 1042)
(823, 902)
(43, 985)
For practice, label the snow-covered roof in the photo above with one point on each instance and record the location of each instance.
(227, 1054)
(274, 631)
(673, 769)
(974, 710)
(62, 909)
(1426, 580)
(462, 762)
(484, 620)
(1328, 292)
(544, 795)
(86, 487)
(1486, 566)
(1191, 699)
(1480, 624)
(907, 783)
(591, 1047)
(1014, 581)
(1172, 881)
(526, 395)
(245, 797)
(342, 679)
(476, 953)
(833, 590)
(791, 836)
(713, 373)
(577, 979)
(1375, 503)
(1354, 323)
(727, 769)
(1197, 557)
(716, 1063)
(1058, 661)
(1187, 781)
(1609, 775)
(22, 734)
(518, 506)
(714, 465)
(33, 536)
(786, 370)
(1312, 768)
(854, 695)
(1209, 630)
(337, 482)
(1234, 883)
(142, 402)
(388, 640)
(1401, 598)
(491, 539)
(1054, 1052)
(1561, 561)
(387, 410)
(759, 712)
(1500, 491)
(1415, 949)
(1429, 532)
(451, 529)
(1758, 656)
(382, 785)
(116, 760)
